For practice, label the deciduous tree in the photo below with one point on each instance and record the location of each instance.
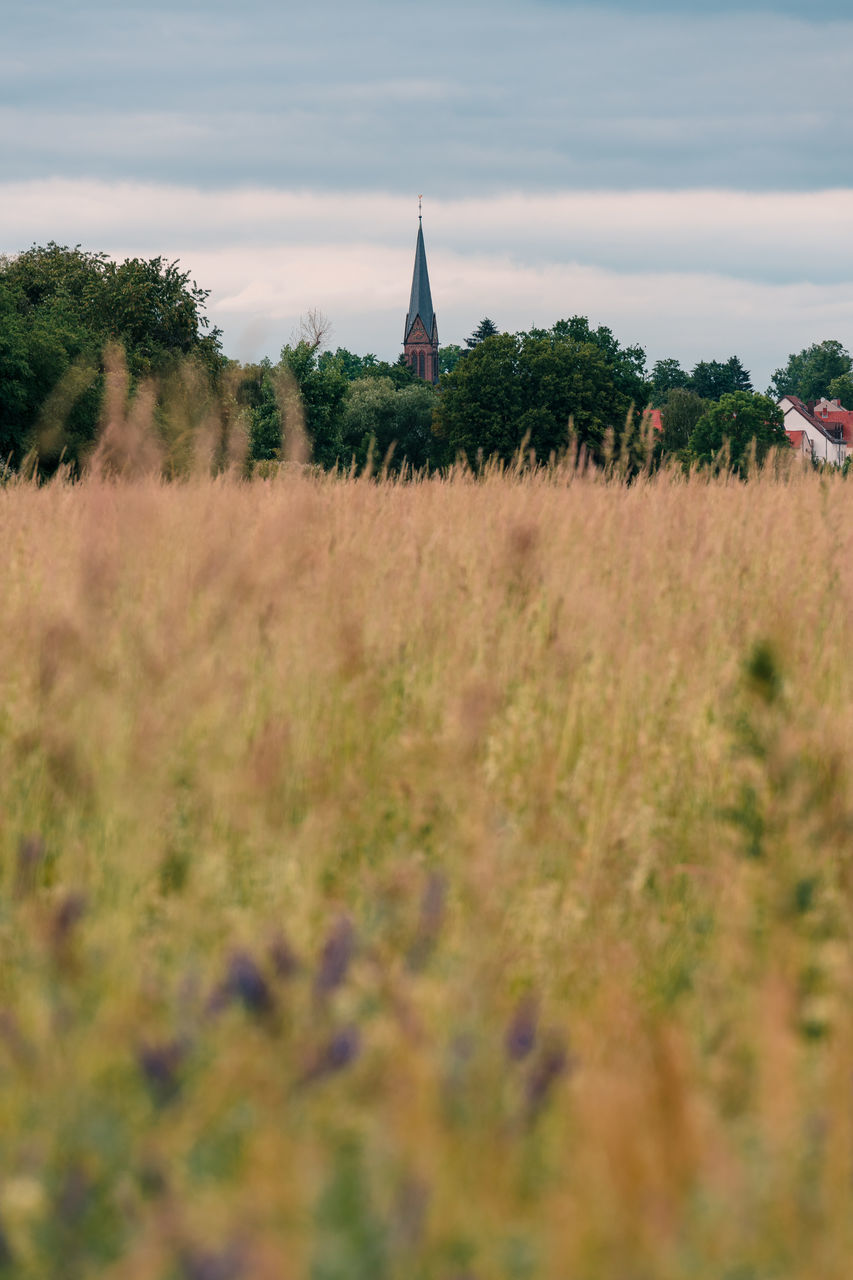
(522, 387)
(322, 392)
(351, 365)
(679, 415)
(667, 375)
(379, 415)
(841, 388)
(60, 308)
(712, 379)
(739, 420)
(628, 364)
(448, 357)
(808, 374)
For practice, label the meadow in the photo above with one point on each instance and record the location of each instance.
(433, 881)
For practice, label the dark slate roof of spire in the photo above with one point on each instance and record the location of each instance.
(420, 302)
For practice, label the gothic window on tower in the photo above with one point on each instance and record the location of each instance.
(421, 364)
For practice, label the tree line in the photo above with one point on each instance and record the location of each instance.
(538, 390)
(59, 309)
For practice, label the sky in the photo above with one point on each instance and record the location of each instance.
(678, 171)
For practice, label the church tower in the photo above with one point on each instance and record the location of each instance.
(420, 338)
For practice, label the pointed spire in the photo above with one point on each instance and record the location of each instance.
(420, 301)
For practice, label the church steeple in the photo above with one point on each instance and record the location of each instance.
(420, 337)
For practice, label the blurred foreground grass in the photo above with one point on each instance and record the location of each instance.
(447, 880)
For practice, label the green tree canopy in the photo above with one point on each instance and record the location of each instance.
(377, 415)
(709, 379)
(681, 410)
(355, 367)
(60, 307)
(841, 388)
(400, 372)
(448, 357)
(322, 392)
(528, 385)
(738, 419)
(485, 329)
(16, 374)
(628, 364)
(156, 312)
(712, 379)
(257, 389)
(343, 420)
(666, 376)
(809, 373)
(351, 365)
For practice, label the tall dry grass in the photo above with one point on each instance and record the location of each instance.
(435, 880)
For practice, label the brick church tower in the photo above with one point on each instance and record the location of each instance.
(420, 339)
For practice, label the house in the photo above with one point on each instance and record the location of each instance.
(836, 418)
(822, 430)
(818, 436)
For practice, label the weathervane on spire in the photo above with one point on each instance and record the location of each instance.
(420, 206)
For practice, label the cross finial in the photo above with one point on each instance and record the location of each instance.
(420, 208)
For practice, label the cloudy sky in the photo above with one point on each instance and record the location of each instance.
(677, 169)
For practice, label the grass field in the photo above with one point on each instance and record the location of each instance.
(433, 881)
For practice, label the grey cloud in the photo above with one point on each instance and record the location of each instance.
(484, 97)
(774, 239)
(813, 10)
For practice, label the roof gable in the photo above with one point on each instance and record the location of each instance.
(799, 409)
(417, 332)
(833, 414)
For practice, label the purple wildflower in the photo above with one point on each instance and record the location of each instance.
(553, 1062)
(244, 983)
(67, 915)
(336, 956)
(343, 1049)
(198, 1264)
(70, 912)
(160, 1065)
(521, 1033)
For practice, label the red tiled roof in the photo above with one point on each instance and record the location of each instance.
(841, 418)
(809, 417)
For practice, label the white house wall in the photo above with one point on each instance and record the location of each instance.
(821, 447)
